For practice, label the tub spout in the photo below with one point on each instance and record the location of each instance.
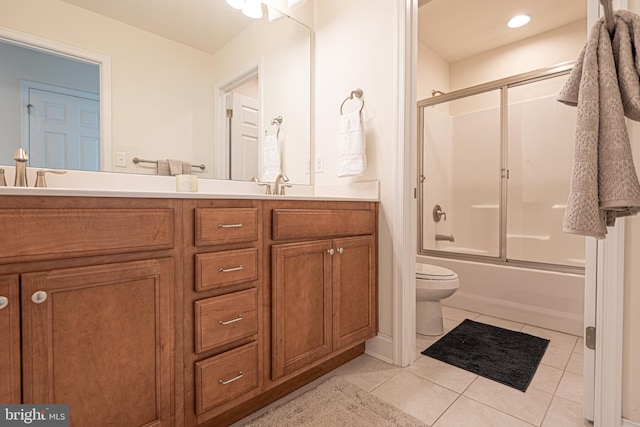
(443, 237)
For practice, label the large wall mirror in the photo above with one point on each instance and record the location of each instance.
(194, 81)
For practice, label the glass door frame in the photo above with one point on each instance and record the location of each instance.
(503, 85)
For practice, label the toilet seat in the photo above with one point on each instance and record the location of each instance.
(434, 272)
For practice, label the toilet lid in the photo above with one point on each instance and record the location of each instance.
(434, 272)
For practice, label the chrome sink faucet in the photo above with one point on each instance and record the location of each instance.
(280, 184)
(21, 157)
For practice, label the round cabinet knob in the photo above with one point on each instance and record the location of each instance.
(4, 301)
(39, 297)
(330, 251)
(340, 251)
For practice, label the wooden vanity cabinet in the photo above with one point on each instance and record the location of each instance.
(222, 306)
(10, 383)
(97, 280)
(323, 291)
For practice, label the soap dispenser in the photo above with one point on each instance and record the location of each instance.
(21, 157)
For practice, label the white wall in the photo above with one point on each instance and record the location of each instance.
(547, 49)
(355, 44)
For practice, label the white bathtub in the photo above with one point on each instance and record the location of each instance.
(541, 298)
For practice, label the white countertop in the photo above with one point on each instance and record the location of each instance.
(97, 184)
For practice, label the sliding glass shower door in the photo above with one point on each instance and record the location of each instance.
(494, 173)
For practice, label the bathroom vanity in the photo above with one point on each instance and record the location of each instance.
(179, 310)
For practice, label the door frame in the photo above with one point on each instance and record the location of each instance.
(607, 263)
(104, 66)
(221, 150)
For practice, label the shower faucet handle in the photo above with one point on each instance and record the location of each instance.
(438, 213)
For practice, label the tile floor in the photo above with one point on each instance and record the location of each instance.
(442, 395)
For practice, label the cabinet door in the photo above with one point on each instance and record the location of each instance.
(301, 305)
(354, 290)
(9, 340)
(100, 339)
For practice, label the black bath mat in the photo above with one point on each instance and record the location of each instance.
(505, 356)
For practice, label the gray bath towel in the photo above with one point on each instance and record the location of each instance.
(604, 86)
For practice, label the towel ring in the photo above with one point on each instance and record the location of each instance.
(358, 94)
(276, 121)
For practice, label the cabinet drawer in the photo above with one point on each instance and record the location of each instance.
(321, 223)
(222, 378)
(225, 318)
(215, 226)
(60, 233)
(218, 269)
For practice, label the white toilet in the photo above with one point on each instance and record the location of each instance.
(433, 283)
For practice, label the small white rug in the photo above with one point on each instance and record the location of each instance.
(335, 403)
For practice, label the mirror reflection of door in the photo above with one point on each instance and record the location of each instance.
(243, 136)
(63, 127)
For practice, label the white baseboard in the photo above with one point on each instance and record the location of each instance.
(380, 347)
(627, 423)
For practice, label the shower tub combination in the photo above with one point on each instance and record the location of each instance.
(494, 178)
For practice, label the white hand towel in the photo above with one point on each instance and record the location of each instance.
(352, 150)
(270, 158)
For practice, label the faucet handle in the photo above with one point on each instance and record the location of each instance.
(262, 184)
(40, 181)
(283, 186)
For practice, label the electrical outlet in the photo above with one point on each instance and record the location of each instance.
(319, 163)
(121, 159)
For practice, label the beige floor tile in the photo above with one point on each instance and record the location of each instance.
(366, 372)
(416, 396)
(579, 348)
(546, 378)
(501, 323)
(571, 387)
(564, 413)
(453, 313)
(556, 357)
(468, 412)
(530, 406)
(575, 364)
(441, 373)
(558, 339)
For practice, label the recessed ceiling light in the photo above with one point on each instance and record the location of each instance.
(518, 21)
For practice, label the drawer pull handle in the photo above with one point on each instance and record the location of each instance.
(4, 301)
(240, 374)
(230, 225)
(228, 322)
(229, 270)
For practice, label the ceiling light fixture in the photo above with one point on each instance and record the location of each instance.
(236, 4)
(518, 21)
(252, 9)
